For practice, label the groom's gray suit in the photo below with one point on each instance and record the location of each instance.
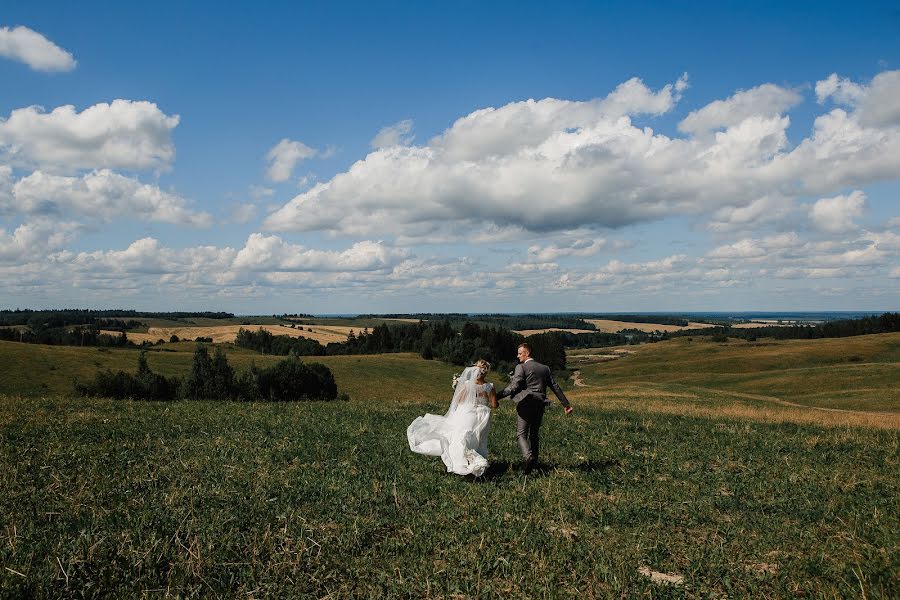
(528, 388)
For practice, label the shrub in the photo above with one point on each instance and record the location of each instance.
(213, 378)
(146, 385)
(210, 378)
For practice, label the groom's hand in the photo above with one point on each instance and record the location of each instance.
(568, 410)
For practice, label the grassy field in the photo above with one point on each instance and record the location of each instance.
(667, 468)
(856, 374)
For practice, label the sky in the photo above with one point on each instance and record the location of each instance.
(386, 157)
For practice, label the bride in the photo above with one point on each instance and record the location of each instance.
(460, 437)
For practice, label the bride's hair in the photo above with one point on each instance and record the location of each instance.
(483, 366)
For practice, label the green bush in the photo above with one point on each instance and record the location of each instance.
(212, 378)
(288, 380)
(145, 385)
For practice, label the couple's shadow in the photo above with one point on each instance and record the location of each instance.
(498, 469)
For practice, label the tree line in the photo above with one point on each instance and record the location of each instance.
(65, 336)
(431, 339)
(212, 378)
(514, 322)
(79, 316)
(885, 323)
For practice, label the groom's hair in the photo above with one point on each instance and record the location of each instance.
(527, 347)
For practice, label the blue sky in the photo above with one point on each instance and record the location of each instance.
(392, 157)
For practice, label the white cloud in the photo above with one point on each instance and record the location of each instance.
(767, 210)
(147, 257)
(835, 215)
(284, 156)
(271, 253)
(124, 134)
(892, 222)
(397, 134)
(30, 47)
(766, 100)
(635, 98)
(554, 165)
(32, 241)
(103, 195)
(877, 104)
(754, 249)
(6, 190)
(578, 248)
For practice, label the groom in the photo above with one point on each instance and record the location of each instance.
(528, 387)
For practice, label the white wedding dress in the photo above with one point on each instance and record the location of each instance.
(459, 437)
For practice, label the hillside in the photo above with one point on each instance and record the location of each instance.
(858, 374)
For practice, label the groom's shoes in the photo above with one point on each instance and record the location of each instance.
(530, 464)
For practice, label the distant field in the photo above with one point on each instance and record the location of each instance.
(35, 370)
(857, 373)
(757, 324)
(608, 326)
(527, 332)
(228, 333)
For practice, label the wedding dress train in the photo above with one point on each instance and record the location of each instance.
(459, 437)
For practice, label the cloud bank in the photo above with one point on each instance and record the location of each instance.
(554, 165)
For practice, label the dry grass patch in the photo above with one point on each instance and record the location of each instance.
(527, 332)
(228, 333)
(610, 326)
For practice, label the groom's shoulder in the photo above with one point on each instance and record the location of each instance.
(533, 365)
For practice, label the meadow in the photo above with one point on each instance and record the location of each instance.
(689, 469)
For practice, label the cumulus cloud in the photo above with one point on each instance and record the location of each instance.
(30, 47)
(836, 215)
(764, 211)
(577, 248)
(124, 134)
(284, 156)
(7, 207)
(633, 98)
(147, 256)
(397, 134)
(103, 195)
(32, 241)
(877, 104)
(554, 165)
(755, 249)
(766, 100)
(271, 253)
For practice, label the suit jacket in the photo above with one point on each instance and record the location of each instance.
(531, 379)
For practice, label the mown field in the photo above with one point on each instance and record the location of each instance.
(667, 467)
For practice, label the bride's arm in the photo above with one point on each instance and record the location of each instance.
(494, 403)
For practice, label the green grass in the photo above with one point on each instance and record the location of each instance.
(856, 373)
(36, 370)
(124, 499)
(679, 459)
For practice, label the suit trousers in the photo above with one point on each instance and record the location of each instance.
(530, 411)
